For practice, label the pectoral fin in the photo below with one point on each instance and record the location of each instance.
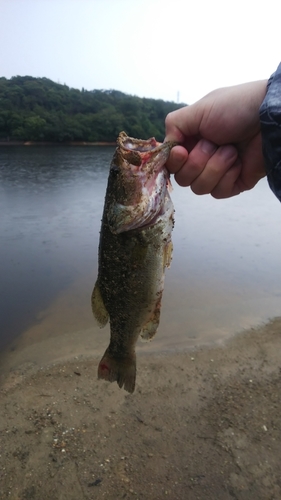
(123, 218)
(168, 254)
(98, 307)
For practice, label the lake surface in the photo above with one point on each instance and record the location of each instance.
(225, 274)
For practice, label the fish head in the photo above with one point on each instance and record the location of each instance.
(149, 155)
(140, 162)
(139, 182)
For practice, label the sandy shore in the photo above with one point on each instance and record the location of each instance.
(204, 424)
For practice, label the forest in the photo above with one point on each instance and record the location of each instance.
(38, 109)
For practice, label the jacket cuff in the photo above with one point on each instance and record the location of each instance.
(270, 118)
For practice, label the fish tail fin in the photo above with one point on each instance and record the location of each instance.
(122, 370)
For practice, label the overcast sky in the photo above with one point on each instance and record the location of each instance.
(151, 48)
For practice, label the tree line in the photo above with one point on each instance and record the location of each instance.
(38, 109)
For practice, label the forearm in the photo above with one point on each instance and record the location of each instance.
(270, 117)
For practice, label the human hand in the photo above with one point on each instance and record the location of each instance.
(221, 151)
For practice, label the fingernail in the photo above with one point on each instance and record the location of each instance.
(227, 152)
(208, 146)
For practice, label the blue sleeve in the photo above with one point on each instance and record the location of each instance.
(270, 118)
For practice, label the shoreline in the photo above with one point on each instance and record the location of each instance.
(46, 143)
(203, 424)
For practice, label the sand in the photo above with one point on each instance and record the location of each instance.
(202, 424)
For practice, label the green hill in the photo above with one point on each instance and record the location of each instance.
(38, 109)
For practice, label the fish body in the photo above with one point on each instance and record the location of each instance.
(134, 250)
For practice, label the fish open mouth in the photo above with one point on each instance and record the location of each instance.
(142, 146)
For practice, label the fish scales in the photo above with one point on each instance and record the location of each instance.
(134, 250)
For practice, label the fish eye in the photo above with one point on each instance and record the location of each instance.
(133, 158)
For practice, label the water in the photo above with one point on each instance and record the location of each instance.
(225, 274)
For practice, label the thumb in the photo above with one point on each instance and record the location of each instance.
(183, 123)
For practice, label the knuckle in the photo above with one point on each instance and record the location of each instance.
(196, 163)
(216, 170)
(169, 120)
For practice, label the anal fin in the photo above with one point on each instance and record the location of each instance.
(98, 307)
(149, 329)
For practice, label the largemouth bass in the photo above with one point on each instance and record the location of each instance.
(134, 250)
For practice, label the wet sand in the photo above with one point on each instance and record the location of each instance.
(202, 424)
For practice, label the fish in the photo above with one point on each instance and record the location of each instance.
(135, 248)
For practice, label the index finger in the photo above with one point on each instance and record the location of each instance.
(177, 158)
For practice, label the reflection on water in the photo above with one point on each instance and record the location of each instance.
(50, 201)
(225, 273)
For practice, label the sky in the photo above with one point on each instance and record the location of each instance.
(174, 50)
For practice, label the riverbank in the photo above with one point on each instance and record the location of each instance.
(45, 143)
(203, 424)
